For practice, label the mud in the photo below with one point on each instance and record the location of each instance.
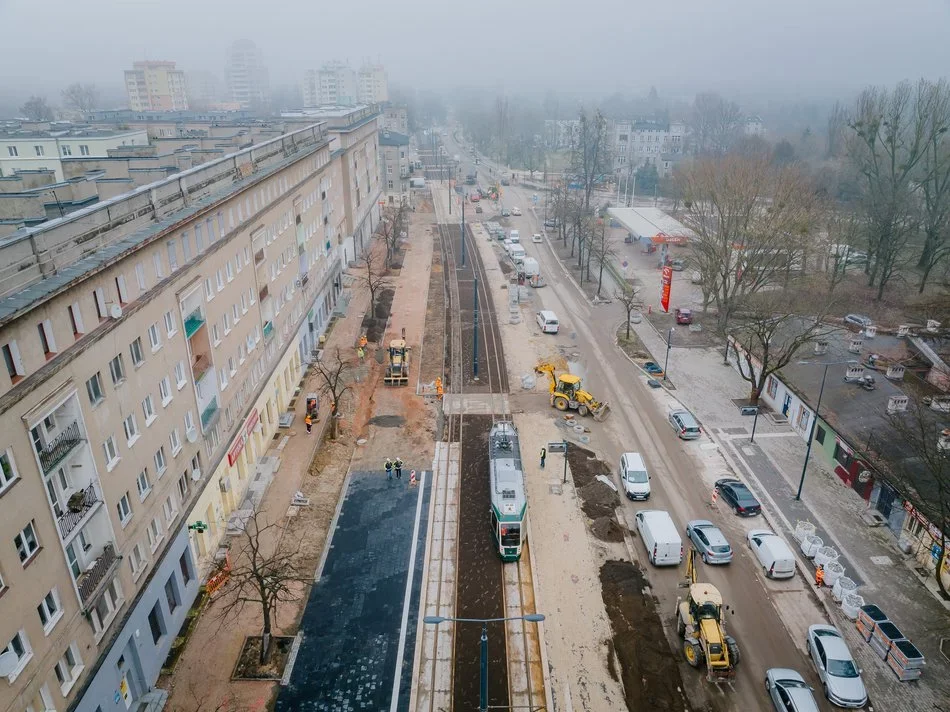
(598, 501)
(606, 529)
(387, 421)
(650, 673)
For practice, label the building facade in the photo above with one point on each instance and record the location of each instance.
(246, 75)
(373, 85)
(43, 148)
(150, 346)
(637, 143)
(337, 85)
(394, 153)
(396, 118)
(156, 86)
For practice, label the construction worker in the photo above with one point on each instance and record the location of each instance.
(309, 421)
(820, 575)
(398, 466)
(361, 353)
(544, 454)
(389, 469)
(363, 341)
(438, 387)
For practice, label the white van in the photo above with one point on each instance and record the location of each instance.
(548, 322)
(514, 236)
(634, 476)
(660, 538)
(517, 254)
(772, 553)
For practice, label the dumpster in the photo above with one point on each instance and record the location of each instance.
(883, 637)
(868, 619)
(905, 660)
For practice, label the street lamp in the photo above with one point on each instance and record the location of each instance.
(669, 343)
(483, 664)
(814, 420)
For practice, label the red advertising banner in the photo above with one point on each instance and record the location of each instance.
(665, 290)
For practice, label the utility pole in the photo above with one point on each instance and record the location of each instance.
(475, 341)
(463, 233)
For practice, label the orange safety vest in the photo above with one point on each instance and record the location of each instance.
(819, 576)
(308, 420)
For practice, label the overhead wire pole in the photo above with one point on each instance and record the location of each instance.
(463, 233)
(475, 343)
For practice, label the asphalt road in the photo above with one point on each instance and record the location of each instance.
(636, 424)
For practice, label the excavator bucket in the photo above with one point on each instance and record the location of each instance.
(601, 413)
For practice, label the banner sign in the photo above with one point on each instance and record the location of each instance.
(665, 290)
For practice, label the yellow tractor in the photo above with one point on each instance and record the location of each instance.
(567, 393)
(701, 624)
(397, 370)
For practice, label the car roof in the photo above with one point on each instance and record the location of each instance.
(699, 523)
(785, 674)
(728, 481)
(836, 648)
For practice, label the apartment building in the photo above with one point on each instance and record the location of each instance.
(396, 118)
(336, 85)
(150, 346)
(636, 143)
(247, 78)
(373, 85)
(394, 153)
(156, 86)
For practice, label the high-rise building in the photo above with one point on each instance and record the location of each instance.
(151, 346)
(337, 85)
(156, 86)
(204, 89)
(373, 85)
(246, 75)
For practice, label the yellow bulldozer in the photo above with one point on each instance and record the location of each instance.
(397, 370)
(701, 624)
(567, 393)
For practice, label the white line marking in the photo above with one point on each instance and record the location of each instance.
(394, 702)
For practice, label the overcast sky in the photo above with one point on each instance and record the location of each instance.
(741, 47)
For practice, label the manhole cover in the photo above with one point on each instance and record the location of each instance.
(882, 560)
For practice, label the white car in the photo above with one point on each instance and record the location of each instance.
(836, 667)
(516, 211)
(789, 691)
(536, 237)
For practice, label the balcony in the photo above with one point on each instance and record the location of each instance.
(193, 322)
(209, 414)
(58, 448)
(263, 294)
(91, 579)
(79, 506)
(201, 367)
(268, 329)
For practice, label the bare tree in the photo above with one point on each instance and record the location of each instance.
(601, 250)
(771, 332)
(375, 277)
(37, 109)
(81, 97)
(752, 222)
(837, 123)
(335, 374)
(590, 153)
(265, 572)
(629, 296)
(716, 124)
(845, 232)
(935, 182)
(391, 228)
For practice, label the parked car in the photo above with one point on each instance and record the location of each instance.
(634, 476)
(684, 316)
(738, 497)
(858, 320)
(773, 554)
(789, 691)
(550, 222)
(839, 674)
(678, 265)
(505, 213)
(709, 541)
(684, 424)
(478, 209)
(536, 237)
(654, 369)
(516, 210)
(505, 181)
(475, 197)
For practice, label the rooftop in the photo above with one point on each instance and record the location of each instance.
(392, 138)
(16, 130)
(650, 223)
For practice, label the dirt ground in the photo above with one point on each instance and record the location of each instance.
(651, 677)
(597, 499)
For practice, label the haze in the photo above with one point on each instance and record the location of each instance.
(741, 47)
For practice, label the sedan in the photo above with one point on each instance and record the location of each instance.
(858, 320)
(505, 212)
(738, 497)
(516, 211)
(709, 541)
(836, 667)
(536, 237)
(789, 691)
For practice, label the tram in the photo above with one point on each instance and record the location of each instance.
(509, 506)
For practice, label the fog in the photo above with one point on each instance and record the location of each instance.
(740, 47)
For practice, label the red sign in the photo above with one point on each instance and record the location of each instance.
(665, 290)
(249, 424)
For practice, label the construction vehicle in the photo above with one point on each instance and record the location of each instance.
(397, 370)
(701, 624)
(567, 393)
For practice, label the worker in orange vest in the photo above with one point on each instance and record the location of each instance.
(820, 575)
(362, 341)
(309, 422)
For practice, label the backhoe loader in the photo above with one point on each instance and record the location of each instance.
(567, 393)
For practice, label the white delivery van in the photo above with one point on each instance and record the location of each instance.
(773, 554)
(660, 538)
(547, 320)
(634, 476)
(514, 236)
(517, 253)
(530, 267)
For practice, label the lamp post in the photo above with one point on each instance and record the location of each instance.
(669, 343)
(814, 420)
(483, 662)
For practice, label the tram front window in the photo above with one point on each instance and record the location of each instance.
(511, 535)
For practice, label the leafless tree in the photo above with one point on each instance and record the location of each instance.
(37, 109)
(334, 372)
(81, 97)
(265, 573)
(629, 296)
(600, 250)
(772, 330)
(753, 222)
(590, 153)
(837, 123)
(935, 182)
(374, 276)
(716, 124)
(391, 228)
(845, 233)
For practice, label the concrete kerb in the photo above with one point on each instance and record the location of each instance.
(545, 668)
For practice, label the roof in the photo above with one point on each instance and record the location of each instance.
(705, 593)
(392, 138)
(8, 133)
(650, 223)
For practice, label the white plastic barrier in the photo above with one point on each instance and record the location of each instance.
(851, 604)
(811, 545)
(833, 572)
(825, 555)
(528, 381)
(803, 529)
(842, 587)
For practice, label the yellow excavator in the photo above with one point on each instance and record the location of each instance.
(567, 393)
(701, 624)
(397, 370)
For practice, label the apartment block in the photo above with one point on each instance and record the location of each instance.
(336, 85)
(156, 86)
(247, 78)
(394, 153)
(396, 118)
(373, 85)
(637, 143)
(150, 346)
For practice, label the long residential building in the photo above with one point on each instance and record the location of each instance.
(151, 344)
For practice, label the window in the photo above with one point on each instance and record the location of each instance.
(155, 623)
(209, 290)
(237, 262)
(131, 428)
(243, 305)
(172, 255)
(165, 391)
(215, 335)
(227, 323)
(106, 607)
(11, 356)
(229, 270)
(231, 368)
(171, 324)
(160, 462)
(843, 456)
(155, 533)
(135, 348)
(121, 289)
(820, 435)
(250, 292)
(111, 452)
(186, 246)
(185, 567)
(183, 486)
(159, 267)
(180, 375)
(117, 370)
(154, 337)
(235, 314)
(8, 475)
(148, 410)
(189, 421)
(219, 278)
(68, 667)
(137, 560)
(83, 149)
(199, 238)
(168, 509)
(47, 341)
(12, 151)
(175, 441)
(49, 610)
(94, 389)
(26, 543)
(143, 484)
(19, 645)
(223, 378)
(124, 508)
(802, 419)
(171, 594)
(75, 319)
(67, 150)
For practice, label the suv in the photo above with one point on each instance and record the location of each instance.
(550, 222)
(684, 424)
(858, 320)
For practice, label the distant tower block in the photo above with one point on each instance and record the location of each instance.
(895, 372)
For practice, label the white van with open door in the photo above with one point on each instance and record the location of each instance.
(660, 538)
(548, 322)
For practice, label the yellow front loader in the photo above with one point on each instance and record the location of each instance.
(567, 393)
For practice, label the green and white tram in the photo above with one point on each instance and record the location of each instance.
(509, 506)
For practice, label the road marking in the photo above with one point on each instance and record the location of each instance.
(394, 702)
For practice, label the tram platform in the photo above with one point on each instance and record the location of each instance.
(359, 626)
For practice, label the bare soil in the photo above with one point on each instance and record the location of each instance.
(598, 501)
(651, 676)
(633, 346)
(249, 666)
(433, 346)
(374, 325)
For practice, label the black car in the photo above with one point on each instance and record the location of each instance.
(738, 496)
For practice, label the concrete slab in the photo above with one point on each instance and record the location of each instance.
(358, 628)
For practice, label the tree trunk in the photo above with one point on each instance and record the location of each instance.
(266, 638)
(628, 326)
(600, 280)
(939, 568)
(924, 277)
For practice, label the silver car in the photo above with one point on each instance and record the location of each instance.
(789, 691)
(709, 541)
(836, 667)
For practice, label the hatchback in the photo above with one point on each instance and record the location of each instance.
(684, 424)
(738, 497)
(516, 211)
(789, 691)
(505, 213)
(536, 237)
(709, 541)
(858, 320)
(839, 673)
